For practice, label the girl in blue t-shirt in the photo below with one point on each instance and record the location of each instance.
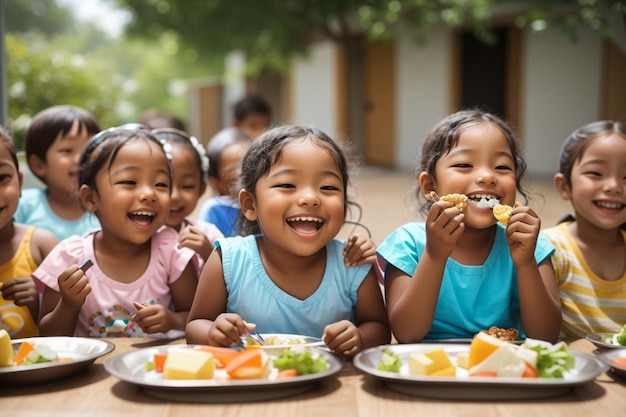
(287, 274)
(460, 272)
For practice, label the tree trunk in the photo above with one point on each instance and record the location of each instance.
(354, 48)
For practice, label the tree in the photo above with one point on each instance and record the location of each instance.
(272, 31)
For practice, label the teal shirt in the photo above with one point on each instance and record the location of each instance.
(253, 295)
(472, 297)
(34, 209)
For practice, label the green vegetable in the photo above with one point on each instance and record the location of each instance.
(621, 336)
(389, 362)
(149, 366)
(302, 360)
(552, 360)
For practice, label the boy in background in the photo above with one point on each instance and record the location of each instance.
(252, 115)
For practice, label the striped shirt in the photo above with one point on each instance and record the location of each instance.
(589, 303)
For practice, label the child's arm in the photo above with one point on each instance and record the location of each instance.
(372, 328)
(194, 239)
(208, 324)
(157, 318)
(538, 293)
(411, 301)
(22, 290)
(59, 310)
(361, 250)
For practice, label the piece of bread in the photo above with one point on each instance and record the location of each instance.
(502, 212)
(508, 335)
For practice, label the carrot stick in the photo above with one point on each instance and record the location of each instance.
(25, 349)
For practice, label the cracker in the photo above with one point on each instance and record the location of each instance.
(459, 201)
(502, 212)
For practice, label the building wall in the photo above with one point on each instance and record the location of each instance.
(422, 92)
(561, 92)
(313, 89)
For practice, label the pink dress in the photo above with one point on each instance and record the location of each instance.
(108, 309)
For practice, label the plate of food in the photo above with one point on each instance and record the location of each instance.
(44, 359)
(616, 360)
(484, 369)
(198, 373)
(606, 340)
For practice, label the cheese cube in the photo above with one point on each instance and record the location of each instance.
(6, 349)
(188, 364)
(426, 363)
(462, 360)
(449, 371)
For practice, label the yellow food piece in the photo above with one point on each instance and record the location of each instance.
(459, 201)
(449, 371)
(502, 212)
(6, 349)
(188, 364)
(462, 360)
(429, 363)
(481, 347)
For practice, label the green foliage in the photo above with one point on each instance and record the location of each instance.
(270, 31)
(48, 17)
(40, 74)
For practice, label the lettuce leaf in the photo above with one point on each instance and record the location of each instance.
(552, 360)
(302, 360)
(389, 362)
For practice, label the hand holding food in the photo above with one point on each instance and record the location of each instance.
(458, 200)
(74, 286)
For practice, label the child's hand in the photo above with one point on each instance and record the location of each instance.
(522, 233)
(74, 287)
(194, 239)
(153, 318)
(343, 337)
(23, 292)
(444, 226)
(227, 329)
(359, 250)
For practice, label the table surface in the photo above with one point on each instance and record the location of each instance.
(351, 393)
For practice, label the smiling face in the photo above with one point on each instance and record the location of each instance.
(60, 169)
(187, 186)
(597, 187)
(481, 166)
(132, 195)
(10, 186)
(299, 204)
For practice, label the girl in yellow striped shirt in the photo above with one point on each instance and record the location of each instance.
(590, 256)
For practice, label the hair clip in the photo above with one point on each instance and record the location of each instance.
(201, 153)
(167, 148)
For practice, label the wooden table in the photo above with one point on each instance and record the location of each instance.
(94, 392)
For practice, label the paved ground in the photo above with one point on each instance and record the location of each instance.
(387, 199)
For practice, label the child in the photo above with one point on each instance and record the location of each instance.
(53, 144)
(125, 180)
(22, 248)
(190, 165)
(291, 278)
(225, 151)
(252, 115)
(589, 261)
(459, 273)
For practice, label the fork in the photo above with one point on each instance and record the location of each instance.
(257, 336)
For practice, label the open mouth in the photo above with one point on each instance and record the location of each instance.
(144, 218)
(483, 200)
(306, 225)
